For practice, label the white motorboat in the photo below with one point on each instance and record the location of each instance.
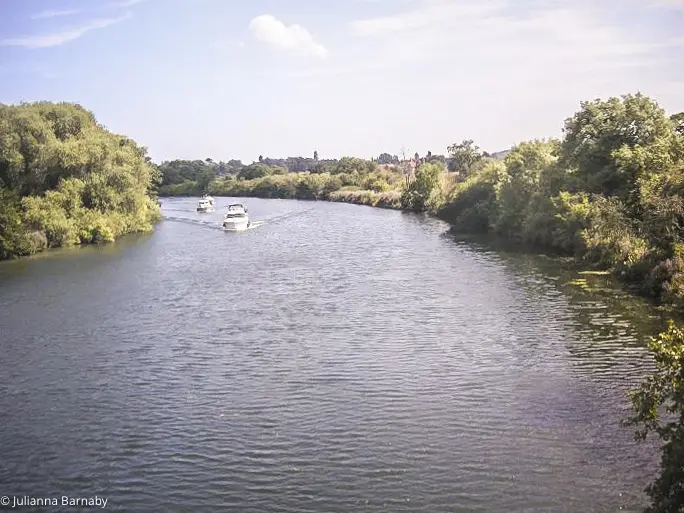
(236, 218)
(206, 204)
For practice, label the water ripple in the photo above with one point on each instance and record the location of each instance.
(339, 358)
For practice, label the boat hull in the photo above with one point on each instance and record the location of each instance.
(235, 226)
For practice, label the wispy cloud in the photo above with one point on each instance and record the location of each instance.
(561, 36)
(430, 15)
(667, 3)
(293, 38)
(64, 36)
(54, 13)
(123, 3)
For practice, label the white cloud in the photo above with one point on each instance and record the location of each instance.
(294, 38)
(59, 38)
(54, 13)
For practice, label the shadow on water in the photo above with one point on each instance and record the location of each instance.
(83, 257)
(587, 290)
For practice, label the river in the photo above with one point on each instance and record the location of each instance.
(336, 358)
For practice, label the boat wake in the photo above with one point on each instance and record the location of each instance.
(286, 215)
(252, 224)
(196, 222)
(210, 224)
(218, 225)
(166, 209)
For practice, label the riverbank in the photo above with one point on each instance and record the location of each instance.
(389, 200)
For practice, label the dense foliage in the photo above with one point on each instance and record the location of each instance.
(658, 406)
(65, 179)
(609, 193)
(347, 179)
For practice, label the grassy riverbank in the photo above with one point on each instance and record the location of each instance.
(65, 180)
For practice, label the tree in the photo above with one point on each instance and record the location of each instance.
(12, 239)
(386, 158)
(517, 187)
(610, 144)
(419, 194)
(261, 158)
(66, 180)
(316, 156)
(255, 170)
(354, 164)
(463, 156)
(663, 392)
(204, 179)
(678, 120)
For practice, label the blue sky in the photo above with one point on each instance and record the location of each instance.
(236, 79)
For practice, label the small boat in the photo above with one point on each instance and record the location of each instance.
(206, 204)
(236, 218)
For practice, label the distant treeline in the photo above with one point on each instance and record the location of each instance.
(190, 177)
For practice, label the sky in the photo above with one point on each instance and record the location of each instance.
(237, 79)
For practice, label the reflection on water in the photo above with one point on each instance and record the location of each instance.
(336, 358)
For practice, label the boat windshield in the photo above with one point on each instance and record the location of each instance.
(233, 215)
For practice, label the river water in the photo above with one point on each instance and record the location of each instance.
(336, 358)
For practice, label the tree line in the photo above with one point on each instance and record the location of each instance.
(191, 177)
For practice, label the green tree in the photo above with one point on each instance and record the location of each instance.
(75, 181)
(611, 144)
(517, 187)
(204, 180)
(463, 157)
(421, 193)
(353, 164)
(12, 232)
(255, 171)
(678, 120)
(658, 408)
